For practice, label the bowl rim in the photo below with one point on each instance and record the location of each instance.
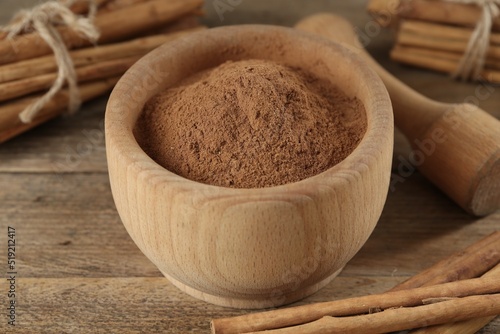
(119, 124)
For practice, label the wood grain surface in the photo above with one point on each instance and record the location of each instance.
(79, 271)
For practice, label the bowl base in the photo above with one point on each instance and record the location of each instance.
(243, 303)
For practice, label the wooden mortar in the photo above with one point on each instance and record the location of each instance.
(249, 248)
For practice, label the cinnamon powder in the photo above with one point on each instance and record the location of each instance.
(249, 124)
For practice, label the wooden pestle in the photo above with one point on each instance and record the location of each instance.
(456, 146)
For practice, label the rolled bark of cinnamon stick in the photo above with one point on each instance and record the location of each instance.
(82, 6)
(442, 31)
(79, 7)
(101, 70)
(443, 65)
(355, 306)
(398, 319)
(470, 326)
(433, 39)
(114, 26)
(457, 264)
(84, 57)
(474, 261)
(443, 12)
(427, 10)
(464, 327)
(492, 64)
(111, 5)
(11, 125)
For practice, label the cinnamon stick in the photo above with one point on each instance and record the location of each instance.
(443, 12)
(132, 20)
(438, 11)
(119, 4)
(114, 26)
(471, 326)
(11, 125)
(464, 264)
(424, 60)
(82, 6)
(101, 70)
(442, 31)
(464, 327)
(493, 64)
(360, 305)
(397, 319)
(431, 38)
(87, 56)
(79, 7)
(474, 261)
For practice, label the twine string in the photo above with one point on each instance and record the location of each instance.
(472, 63)
(44, 19)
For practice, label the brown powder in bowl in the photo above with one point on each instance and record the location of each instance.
(250, 124)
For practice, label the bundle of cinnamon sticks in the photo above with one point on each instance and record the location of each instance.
(434, 34)
(128, 30)
(460, 295)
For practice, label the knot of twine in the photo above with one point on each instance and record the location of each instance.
(44, 19)
(474, 59)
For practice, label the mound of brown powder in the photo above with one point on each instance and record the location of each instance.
(249, 124)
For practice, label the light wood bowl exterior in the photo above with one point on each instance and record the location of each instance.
(249, 248)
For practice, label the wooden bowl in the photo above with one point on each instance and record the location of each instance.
(249, 248)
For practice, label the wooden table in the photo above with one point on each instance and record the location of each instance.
(78, 270)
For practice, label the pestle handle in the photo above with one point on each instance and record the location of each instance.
(456, 146)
